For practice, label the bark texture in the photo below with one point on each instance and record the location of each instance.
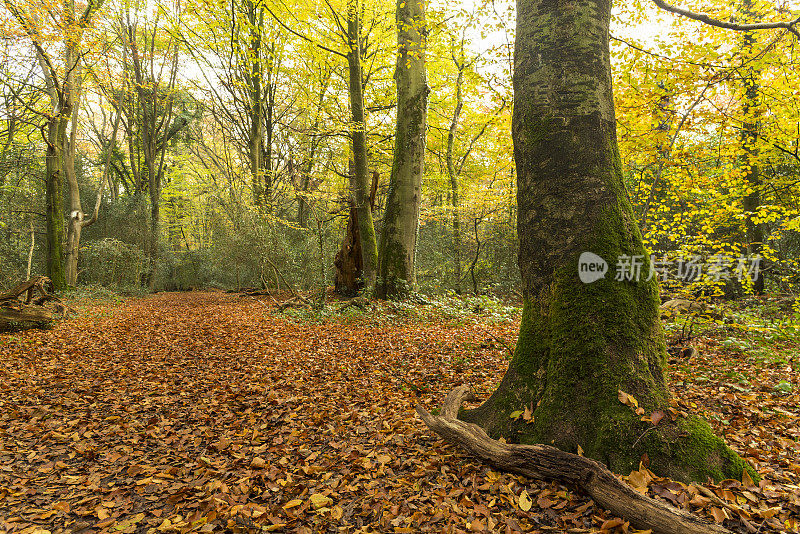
(401, 219)
(358, 136)
(54, 200)
(581, 343)
(349, 279)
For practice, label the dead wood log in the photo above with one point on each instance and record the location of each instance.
(295, 302)
(257, 292)
(40, 283)
(25, 314)
(546, 462)
(19, 305)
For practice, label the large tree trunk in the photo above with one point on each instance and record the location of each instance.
(401, 219)
(62, 89)
(348, 259)
(358, 135)
(580, 344)
(544, 461)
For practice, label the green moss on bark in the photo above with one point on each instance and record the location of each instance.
(579, 344)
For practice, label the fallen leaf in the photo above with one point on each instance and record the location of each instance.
(524, 501)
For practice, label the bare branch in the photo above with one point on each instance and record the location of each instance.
(301, 36)
(790, 26)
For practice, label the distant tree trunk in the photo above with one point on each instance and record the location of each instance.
(452, 173)
(358, 135)
(63, 91)
(155, 126)
(749, 139)
(583, 346)
(253, 76)
(76, 215)
(303, 206)
(349, 259)
(54, 185)
(401, 218)
(30, 251)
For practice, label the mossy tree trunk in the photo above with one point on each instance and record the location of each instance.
(581, 343)
(62, 89)
(358, 137)
(401, 219)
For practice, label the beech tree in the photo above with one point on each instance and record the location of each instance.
(156, 112)
(62, 83)
(401, 220)
(360, 184)
(584, 349)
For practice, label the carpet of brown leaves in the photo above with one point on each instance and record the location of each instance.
(208, 412)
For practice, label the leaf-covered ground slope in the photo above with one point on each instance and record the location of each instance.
(210, 412)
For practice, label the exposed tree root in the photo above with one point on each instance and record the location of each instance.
(545, 462)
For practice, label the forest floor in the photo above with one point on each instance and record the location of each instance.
(212, 412)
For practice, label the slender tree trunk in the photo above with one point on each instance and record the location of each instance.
(581, 344)
(303, 206)
(452, 174)
(269, 128)
(156, 129)
(749, 139)
(401, 218)
(358, 136)
(76, 215)
(30, 251)
(74, 228)
(253, 67)
(54, 184)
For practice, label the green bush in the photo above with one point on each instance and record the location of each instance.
(112, 263)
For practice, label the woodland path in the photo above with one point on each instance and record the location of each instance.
(210, 412)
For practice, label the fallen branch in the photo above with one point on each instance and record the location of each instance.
(20, 305)
(356, 302)
(545, 462)
(40, 283)
(503, 343)
(295, 302)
